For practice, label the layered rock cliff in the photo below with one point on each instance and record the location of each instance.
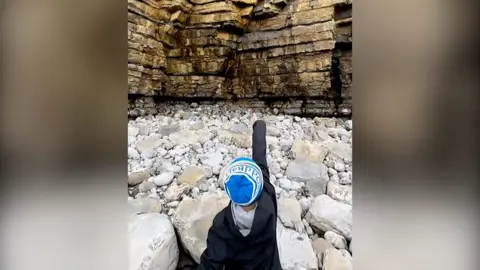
(249, 50)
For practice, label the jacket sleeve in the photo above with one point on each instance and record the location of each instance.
(215, 255)
(259, 147)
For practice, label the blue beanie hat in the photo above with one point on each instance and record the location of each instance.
(243, 181)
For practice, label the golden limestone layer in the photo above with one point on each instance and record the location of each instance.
(236, 48)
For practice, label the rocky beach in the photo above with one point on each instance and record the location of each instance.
(175, 160)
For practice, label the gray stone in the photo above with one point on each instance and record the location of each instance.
(192, 175)
(163, 179)
(326, 214)
(138, 177)
(308, 229)
(274, 167)
(334, 178)
(273, 131)
(346, 180)
(186, 115)
(343, 175)
(133, 131)
(285, 183)
(146, 186)
(332, 171)
(173, 204)
(305, 171)
(335, 239)
(174, 192)
(314, 174)
(339, 167)
(333, 260)
(285, 145)
(239, 128)
(322, 135)
(349, 124)
(133, 153)
(305, 204)
(197, 125)
(188, 137)
(166, 130)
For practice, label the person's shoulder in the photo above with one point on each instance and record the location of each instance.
(220, 227)
(220, 219)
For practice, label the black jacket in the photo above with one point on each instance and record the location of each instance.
(227, 247)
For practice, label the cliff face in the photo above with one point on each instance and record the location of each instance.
(241, 49)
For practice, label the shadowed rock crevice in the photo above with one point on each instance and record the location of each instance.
(241, 50)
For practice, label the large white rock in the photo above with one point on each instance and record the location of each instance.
(193, 218)
(152, 243)
(290, 214)
(295, 249)
(326, 214)
(341, 193)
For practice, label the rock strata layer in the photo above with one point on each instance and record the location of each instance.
(244, 49)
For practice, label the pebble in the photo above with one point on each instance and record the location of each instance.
(173, 204)
(332, 171)
(339, 167)
(163, 179)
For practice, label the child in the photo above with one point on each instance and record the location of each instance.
(243, 234)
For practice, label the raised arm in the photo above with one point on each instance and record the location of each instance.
(259, 147)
